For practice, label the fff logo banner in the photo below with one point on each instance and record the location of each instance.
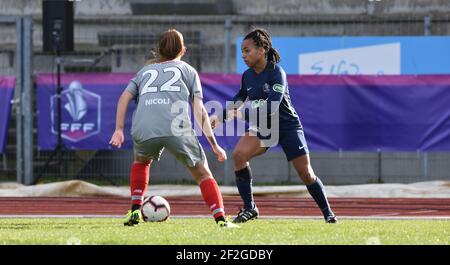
(80, 113)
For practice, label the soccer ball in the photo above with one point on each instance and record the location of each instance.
(155, 209)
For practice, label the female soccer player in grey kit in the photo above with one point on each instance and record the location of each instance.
(161, 120)
(265, 85)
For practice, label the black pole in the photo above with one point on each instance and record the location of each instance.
(380, 172)
(58, 98)
(59, 88)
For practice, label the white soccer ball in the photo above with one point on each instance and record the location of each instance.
(155, 209)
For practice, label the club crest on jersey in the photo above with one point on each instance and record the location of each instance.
(266, 88)
(80, 113)
(278, 88)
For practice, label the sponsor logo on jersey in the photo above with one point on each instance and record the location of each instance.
(278, 88)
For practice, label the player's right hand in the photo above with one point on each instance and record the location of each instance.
(220, 153)
(117, 139)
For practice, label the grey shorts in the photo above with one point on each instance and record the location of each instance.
(186, 149)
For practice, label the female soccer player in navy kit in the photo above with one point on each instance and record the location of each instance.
(265, 84)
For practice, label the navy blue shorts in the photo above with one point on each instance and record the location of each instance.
(293, 143)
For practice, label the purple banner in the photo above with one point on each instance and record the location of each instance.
(351, 113)
(366, 113)
(7, 85)
(88, 108)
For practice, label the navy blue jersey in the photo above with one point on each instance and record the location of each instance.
(271, 87)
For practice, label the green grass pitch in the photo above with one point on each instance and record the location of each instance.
(203, 231)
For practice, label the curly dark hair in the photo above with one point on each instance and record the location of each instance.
(262, 39)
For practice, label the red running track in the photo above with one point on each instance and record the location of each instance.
(194, 206)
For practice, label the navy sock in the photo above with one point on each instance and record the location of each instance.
(317, 191)
(244, 185)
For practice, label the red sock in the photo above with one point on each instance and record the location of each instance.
(212, 196)
(138, 182)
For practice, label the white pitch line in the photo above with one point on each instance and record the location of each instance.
(384, 215)
(374, 217)
(424, 211)
(60, 216)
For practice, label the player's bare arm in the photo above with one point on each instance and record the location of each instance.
(202, 119)
(118, 137)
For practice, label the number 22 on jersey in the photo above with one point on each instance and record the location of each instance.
(167, 86)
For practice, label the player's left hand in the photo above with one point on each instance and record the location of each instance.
(235, 114)
(117, 139)
(219, 152)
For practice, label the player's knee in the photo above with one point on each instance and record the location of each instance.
(239, 157)
(205, 174)
(307, 176)
(202, 178)
(201, 172)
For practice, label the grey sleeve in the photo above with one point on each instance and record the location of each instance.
(196, 88)
(133, 86)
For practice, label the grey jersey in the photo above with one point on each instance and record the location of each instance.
(163, 92)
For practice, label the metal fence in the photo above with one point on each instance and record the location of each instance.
(17, 45)
(124, 43)
(7, 56)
